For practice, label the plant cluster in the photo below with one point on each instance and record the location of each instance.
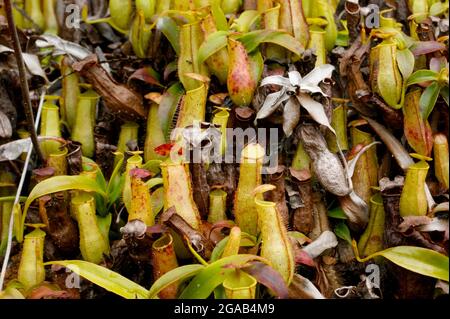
(124, 90)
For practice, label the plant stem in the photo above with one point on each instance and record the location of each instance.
(23, 80)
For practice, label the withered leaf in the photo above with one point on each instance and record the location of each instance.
(48, 292)
(5, 126)
(12, 150)
(269, 277)
(200, 243)
(147, 75)
(327, 166)
(124, 102)
(303, 288)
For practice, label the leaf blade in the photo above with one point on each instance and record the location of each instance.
(213, 275)
(175, 275)
(171, 31)
(269, 277)
(213, 44)
(421, 76)
(405, 61)
(444, 93)
(428, 100)
(62, 183)
(251, 40)
(341, 230)
(219, 17)
(421, 260)
(104, 278)
(337, 213)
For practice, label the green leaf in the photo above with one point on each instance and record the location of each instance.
(213, 44)
(444, 93)
(438, 8)
(104, 278)
(247, 240)
(405, 61)
(153, 166)
(219, 293)
(175, 275)
(101, 181)
(343, 37)
(246, 20)
(89, 165)
(15, 283)
(116, 189)
(213, 275)
(59, 184)
(218, 249)
(423, 261)
(219, 17)
(256, 65)
(115, 176)
(422, 76)
(13, 290)
(299, 237)
(341, 230)
(252, 40)
(116, 181)
(171, 31)
(104, 223)
(11, 293)
(428, 100)
(153, 182)
(337, 213)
